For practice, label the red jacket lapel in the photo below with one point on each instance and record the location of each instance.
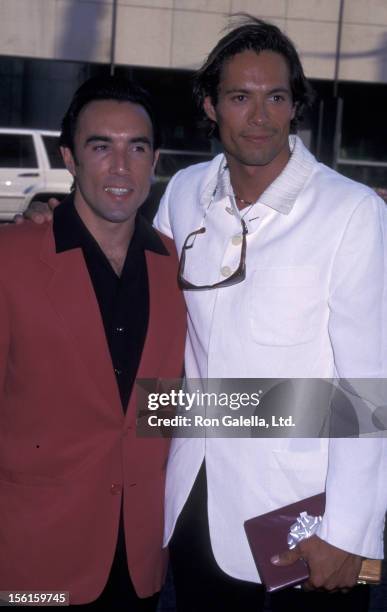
(71, 293)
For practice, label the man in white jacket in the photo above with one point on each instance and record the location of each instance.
(287, 280)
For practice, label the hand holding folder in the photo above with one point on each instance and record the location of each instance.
(267, 535)
(329, 567)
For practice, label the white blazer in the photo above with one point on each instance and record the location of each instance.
(311, 306)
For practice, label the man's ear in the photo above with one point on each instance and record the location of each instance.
(68, 159)
(294, 110)
(156, 155)
(209, 108)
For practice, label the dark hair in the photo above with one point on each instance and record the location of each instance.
(252, 34)
(105, 88)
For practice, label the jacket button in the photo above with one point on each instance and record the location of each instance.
(226, 271)
(115, 489)
(236, 240)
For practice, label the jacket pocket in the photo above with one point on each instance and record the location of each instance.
(283, 305)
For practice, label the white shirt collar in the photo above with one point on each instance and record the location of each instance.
(282, 192)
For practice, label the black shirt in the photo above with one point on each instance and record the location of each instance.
(123, 300)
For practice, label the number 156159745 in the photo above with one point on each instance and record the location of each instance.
(35, 598)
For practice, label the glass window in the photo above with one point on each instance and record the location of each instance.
(374, 176)
(171, 162)
(363, 131)
(53, 153)
(17, 151)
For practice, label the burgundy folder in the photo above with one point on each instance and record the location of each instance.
(267, 535)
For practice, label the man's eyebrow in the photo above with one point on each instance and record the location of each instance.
(237, 90)
(100, 138)
(143, 139)
(280, 90)
(243, 90)
(97, 137)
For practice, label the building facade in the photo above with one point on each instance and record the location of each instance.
(48, 47)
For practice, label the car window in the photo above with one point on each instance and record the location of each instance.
(52, 147)
(17, 151)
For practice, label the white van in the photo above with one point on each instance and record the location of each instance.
(31, 168)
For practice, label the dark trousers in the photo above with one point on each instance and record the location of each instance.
(119, 593)
(201, 586)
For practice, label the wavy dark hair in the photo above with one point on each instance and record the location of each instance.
(105, 88)
(252, 34)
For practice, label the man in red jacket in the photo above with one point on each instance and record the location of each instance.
(87, 303)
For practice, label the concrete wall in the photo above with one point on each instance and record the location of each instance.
(179, 33)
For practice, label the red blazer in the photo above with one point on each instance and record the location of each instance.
(67, 452)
